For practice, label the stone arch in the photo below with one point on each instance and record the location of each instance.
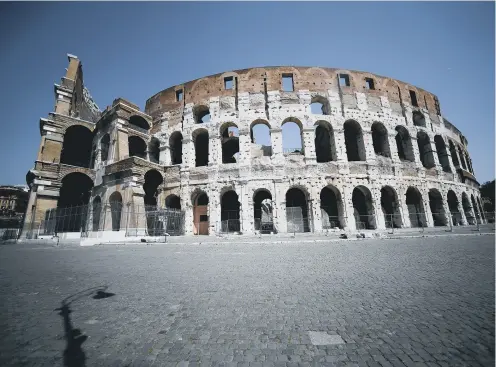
(462, 158)
(476, 209)
(319, 105)
(453, 153)
(201, 143)
(415, 206)
(105, 147)
(200, 213)
(72, 204)
(115, 201)
(467, 209)
(137, 146)
(437, 208)
(229, 135)
(425, 150)
(297, 210)
(363, 208)
(481, 208)
(262, 211)
(173, 202)
(154, 150)
(325, 145)
(353, 136)
(380, 140)
(292, 136)
(453, 208)
(442, 153)
(260, 135)
(418, 119)
(230, 212)
(139, 122)
(331, 207)
(201, 114)
(153, 179)
(176, 147)
(97, 211)
(77, 146)
(404, 144)
(390, 207)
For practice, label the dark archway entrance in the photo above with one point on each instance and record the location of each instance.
(176, 148)
(325, 148)
(200, 214)
(297, 211)
(73, 200)
(229, 212)
(380, 140)
(467, 209)
(453, 207)
(442, 153)
(437, 208)
(77, 146)
(173, 202)
(390, 207)
(97, 211)
(331, 208)
(262, 211)
(404, 144)
(415, 208)
(137, 147)
(363, 208)
(353, 136)
(115, 201)
(153, 179)
(201, 148)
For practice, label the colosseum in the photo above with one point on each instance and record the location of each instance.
(260, 150)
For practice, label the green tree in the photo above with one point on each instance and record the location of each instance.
(487, 193)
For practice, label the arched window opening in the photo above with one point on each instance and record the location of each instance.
(139, 122)
(325, 147)
(260, 139)
(453, 154)
(418, 119)
(97, 210)
(137, 147)
(201, 147)
(415, 208)
(104, 147)
(230, 143)
(469, 163)
(331, 208)
(425, 150)
(319, 105)
(437, 208)
(200, 214)
(153, 179)
(201, 114)
(229, 212)
(297, 211)
(481, 208)
(353, 136)
(292, 137)
(363, 208)
(73, 200)
(476, 209)
(442, 154)
(115, 201)
(453, 208)
(467, 209)
(77, 146)
(390, 207)
(176, 148)
(154, 150)
(173, 202)
(380, 140)
(262, 212)
(462, 158)
(93, 156)
(404, 144)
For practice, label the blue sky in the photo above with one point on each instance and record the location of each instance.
(134, 50)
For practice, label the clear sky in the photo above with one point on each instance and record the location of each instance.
(134, 50)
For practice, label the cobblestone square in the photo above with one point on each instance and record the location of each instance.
(408, 302)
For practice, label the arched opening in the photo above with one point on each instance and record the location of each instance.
(93, 156)
(363, 208)
(97, 210)
(425, 150)
(139, 122)
(442, 154)
(200, 138)
(404, 144)
(481, 208)
(437, 208)
(325, 147)
(319, 105)
(115, 201)
(201, 114)
(154, 150)
(462, 158)
(229, 135)
(229, 212)
(380, 140)
(77, 146)
(153, 179)
(453, 154)
(262, 211)
(467, 209)
(415, 208)
(137, 147)
(418, 119)
(390, 207)
(260, 139)
(200, 214)
(173, 202)
(104, 147)
(331, 208)
(353, 136)
(469, 163)
(292, 137)
(297, 211)
(73, 200)
(176, 148)
(476, 209)
(453, 208)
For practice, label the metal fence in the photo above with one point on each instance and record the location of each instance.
(10, 227)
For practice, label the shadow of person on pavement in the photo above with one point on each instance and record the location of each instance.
(73, 354)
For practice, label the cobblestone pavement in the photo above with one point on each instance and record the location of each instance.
(408, 302)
